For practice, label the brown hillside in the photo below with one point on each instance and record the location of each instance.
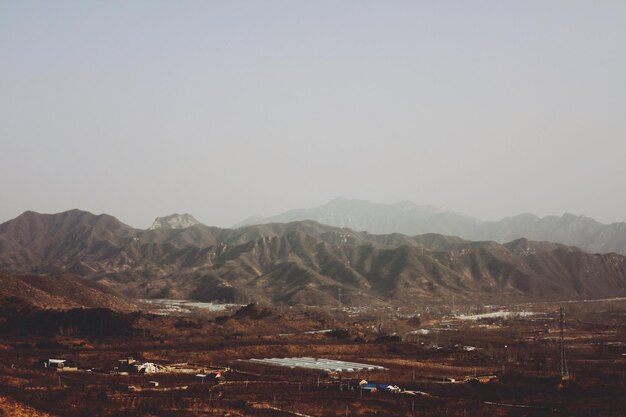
(58, 292)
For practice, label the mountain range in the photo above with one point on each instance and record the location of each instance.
(411, 219)
(303, 262)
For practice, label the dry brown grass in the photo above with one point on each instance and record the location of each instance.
(11, 408)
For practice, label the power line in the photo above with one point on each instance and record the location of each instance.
(564, 371)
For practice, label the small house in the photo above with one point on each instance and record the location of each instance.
(126, 365)
(53, 363)
(483, 379)
(369, 387)
(394, 389)
(146, 368)
(212, 377)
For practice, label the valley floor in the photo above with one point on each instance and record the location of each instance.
(498, 365)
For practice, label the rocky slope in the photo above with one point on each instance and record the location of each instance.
(174, 221)
(301, 262)
(408, 218)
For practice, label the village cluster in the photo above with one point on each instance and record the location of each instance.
(131, 366)
(333, 370)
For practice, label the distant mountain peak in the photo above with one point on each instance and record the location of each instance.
(405, 204)
(174, 221)
(381, 218)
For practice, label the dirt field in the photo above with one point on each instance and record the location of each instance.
(435, 361)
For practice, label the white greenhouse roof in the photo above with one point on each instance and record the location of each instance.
(328, 365)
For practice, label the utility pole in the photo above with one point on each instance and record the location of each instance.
(453, 305)
(564, 372)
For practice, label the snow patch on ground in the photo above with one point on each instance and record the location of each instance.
(496, 315)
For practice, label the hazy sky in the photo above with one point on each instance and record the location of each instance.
(227, 109)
